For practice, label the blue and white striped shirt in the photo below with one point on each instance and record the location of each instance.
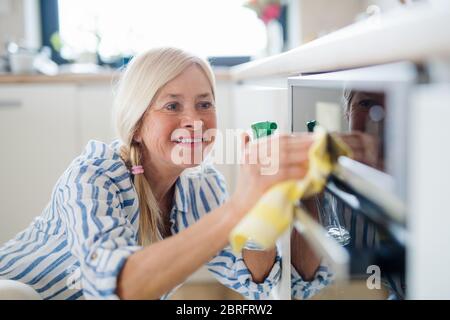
(76, 248)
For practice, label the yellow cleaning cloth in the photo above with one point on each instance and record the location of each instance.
(273, 213)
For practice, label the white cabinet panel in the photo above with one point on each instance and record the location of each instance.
(254, 103)
(224, 121)
(95, 107)
(259, 103)
(38, 139)
(428, 255)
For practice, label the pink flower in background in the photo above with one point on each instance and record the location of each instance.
(270, 12)
(267, 10)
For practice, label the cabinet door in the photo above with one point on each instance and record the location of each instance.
(254, 103)
(261, 103)
(38, 139)
(428, 260)
(95, 107)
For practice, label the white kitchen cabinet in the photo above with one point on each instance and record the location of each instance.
(260, 103)
(43, 127)
(94, 106)
(38, 139)
(255, 102)
(428, 259)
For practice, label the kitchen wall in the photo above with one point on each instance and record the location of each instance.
(308, 19)
(11, 21)
(19, 22)
(319, 17)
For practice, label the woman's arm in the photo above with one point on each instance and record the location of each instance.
(152, 271)
(303, 258)
(156, 269)
(231, 270)
(259, 263)
(308, 274)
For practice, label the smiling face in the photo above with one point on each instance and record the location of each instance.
(175, 123)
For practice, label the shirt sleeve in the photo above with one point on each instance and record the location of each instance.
(99, 233)
(301, 289)
(231, 271)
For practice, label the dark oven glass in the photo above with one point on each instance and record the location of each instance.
(369, 108)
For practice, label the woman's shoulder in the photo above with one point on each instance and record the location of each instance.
(98, 161)
(95, 149)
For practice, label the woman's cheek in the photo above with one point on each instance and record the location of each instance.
(157, 138)
(211, 123)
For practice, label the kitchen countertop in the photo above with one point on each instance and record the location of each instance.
(63, 78)
(221, 74)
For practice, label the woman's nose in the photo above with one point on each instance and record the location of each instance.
(191, 119)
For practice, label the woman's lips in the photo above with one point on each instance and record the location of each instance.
(190, 142)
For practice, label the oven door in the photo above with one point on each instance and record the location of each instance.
(366, 195)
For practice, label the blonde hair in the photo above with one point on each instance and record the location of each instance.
(139, 85)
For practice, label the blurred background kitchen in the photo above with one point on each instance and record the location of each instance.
(59, 60)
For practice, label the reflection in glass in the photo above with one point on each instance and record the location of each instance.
(358, 116)
(331, 218)
(365, 117)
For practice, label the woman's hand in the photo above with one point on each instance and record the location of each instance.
(365, 148)
(266, 162)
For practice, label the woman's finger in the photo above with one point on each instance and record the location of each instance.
(352, 140)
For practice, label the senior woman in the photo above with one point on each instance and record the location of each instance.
(126, 221)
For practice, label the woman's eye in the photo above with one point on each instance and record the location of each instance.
(367, 103)
(205, 105)
(171, 106)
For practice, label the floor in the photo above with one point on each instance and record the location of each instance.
(205, 291)
(216, 291)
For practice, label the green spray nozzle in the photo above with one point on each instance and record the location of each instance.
(310, 125)
(263, 129)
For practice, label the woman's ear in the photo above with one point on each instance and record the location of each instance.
(137, 138)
